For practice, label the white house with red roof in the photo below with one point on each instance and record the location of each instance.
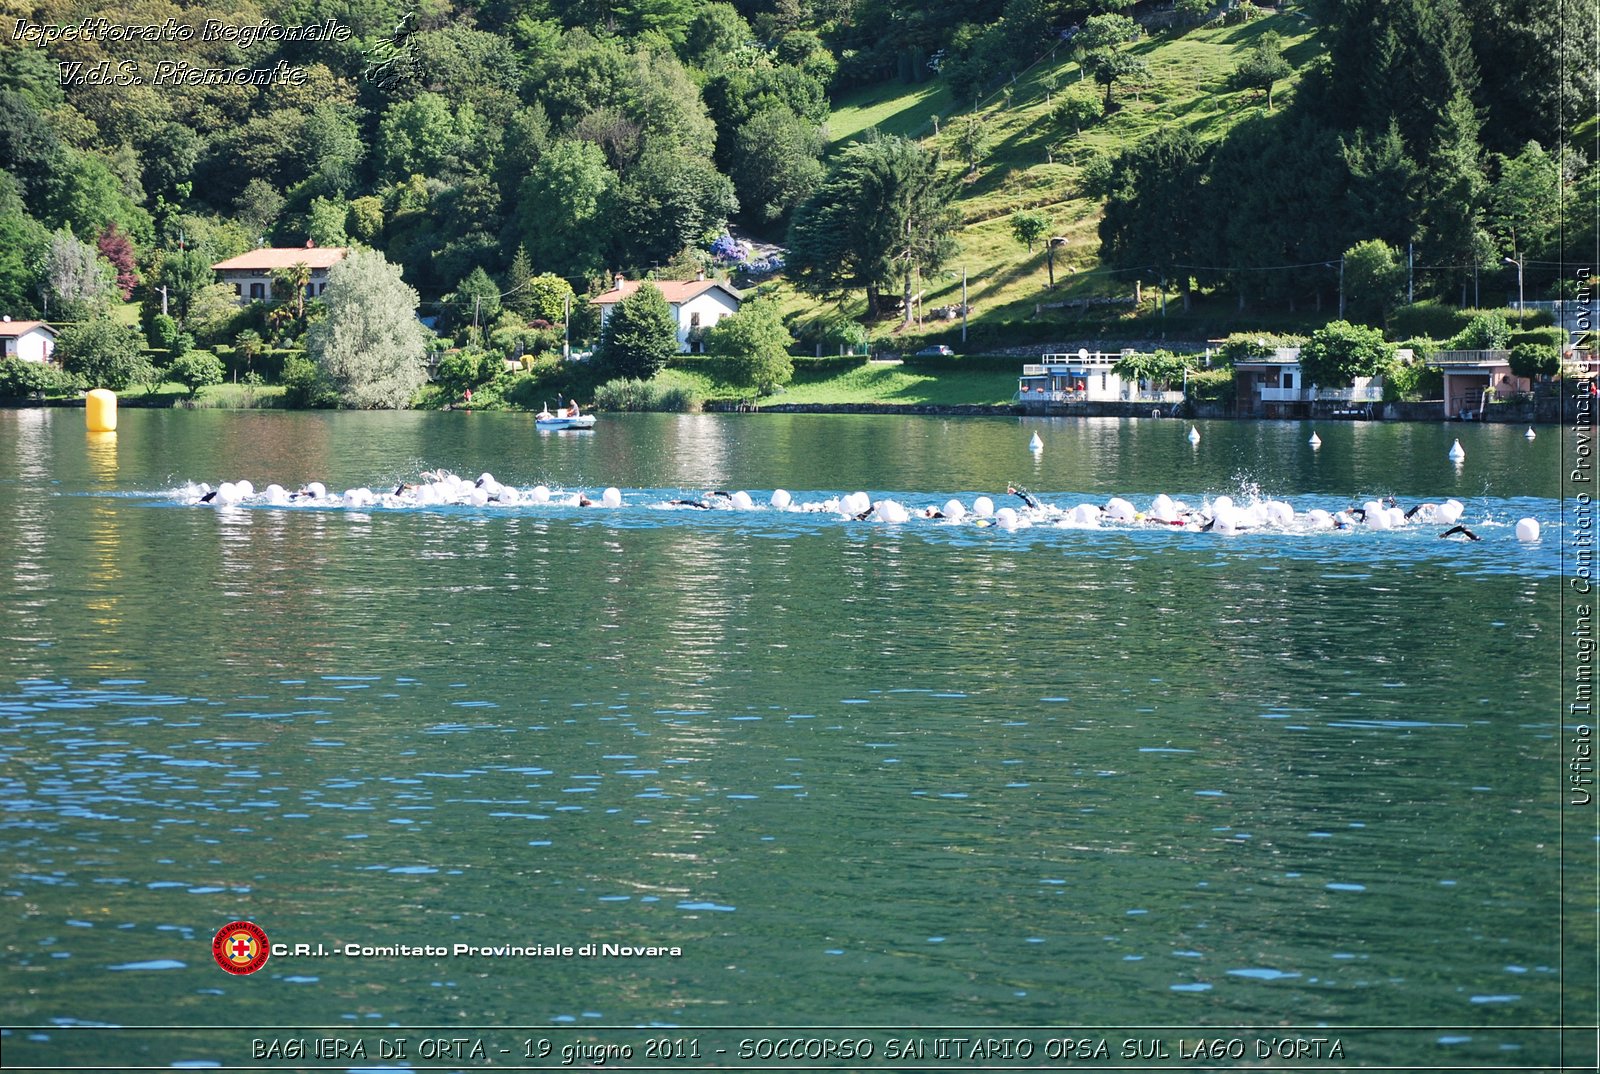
(251, 273)
(32, 341)
(697, 304)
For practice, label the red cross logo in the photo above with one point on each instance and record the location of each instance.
(240, 947)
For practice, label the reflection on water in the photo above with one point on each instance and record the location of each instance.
(917, 776)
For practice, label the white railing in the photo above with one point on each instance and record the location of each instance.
(1283, 395)
(1157, 397)
(1351, 395)
(1096, 360)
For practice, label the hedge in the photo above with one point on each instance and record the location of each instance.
(268, 363)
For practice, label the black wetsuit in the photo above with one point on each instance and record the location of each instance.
(1025, 496)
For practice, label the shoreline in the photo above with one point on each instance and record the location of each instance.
(1418, 413)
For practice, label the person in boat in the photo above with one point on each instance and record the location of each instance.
(1461, 531)
(572, 411)
(1024, 495)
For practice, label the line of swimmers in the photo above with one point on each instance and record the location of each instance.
(1221, 515)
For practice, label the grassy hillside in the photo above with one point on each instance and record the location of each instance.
(1033, 161)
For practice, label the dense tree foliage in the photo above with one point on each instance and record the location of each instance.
(603, 135)
(102, 354)
(1339, 352)
(753, 345)
(883, 212)
(639, 337)
(369, 348)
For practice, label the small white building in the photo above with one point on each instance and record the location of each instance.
(697, 304)
(32, 341)
(250, 274)
(1085, 377)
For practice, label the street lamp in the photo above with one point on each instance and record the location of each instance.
(1517, 261)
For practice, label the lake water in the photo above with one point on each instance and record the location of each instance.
(1148, 783)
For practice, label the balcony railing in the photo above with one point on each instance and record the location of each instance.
(1369, 394)
(1096, 360)
(1474, 357)
(1284, 395)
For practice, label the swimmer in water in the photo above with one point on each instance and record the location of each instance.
(698, 505)
(1024, 495)
(932, 512)
(1463, 531)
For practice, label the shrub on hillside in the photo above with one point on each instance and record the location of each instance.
(1429, 318)
(1412, 383)
(1535, 360)
(20, 379)
(1486, 331)
(1212, 385)
(195, 370)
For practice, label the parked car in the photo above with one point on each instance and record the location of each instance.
(940, 351)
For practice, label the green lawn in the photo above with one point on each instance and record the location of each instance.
(885, 383)
(1033, 162)
(891, 107)
(876, 382)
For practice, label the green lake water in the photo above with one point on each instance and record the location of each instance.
(859, 774)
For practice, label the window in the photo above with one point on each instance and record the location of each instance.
(258, 290)
(694, 320)
(238, 290)
(321, 287)
(1288, 380)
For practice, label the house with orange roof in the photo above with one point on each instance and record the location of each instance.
(697, 305)
(251, 273)
(32, 341)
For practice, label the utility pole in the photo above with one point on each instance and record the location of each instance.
(163, 300)
(566, 327)
(1411, 265)
(1341, 287)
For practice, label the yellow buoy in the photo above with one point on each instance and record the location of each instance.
(100, 410)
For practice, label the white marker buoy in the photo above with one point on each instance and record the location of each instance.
(1194, 435)
(1315, 441)
(1457, 452)
(611, 497)
(1528, 530)
(1035, 444)
(1530, 434)
(781, 499)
